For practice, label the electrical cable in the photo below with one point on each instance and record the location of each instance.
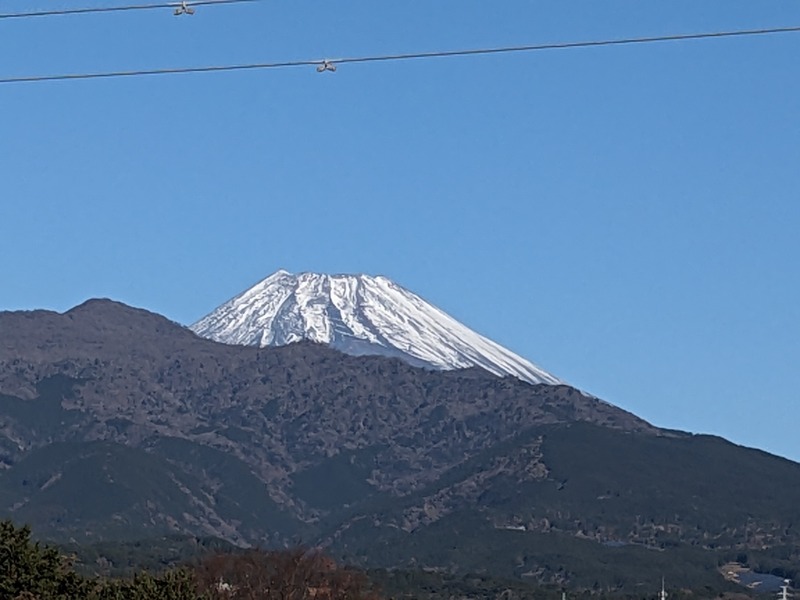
(106, 9)
(330, 64)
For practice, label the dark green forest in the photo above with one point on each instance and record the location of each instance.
(181, 568)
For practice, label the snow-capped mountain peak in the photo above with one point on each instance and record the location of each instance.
(358, 314)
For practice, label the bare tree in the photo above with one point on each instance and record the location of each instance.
(294, 574)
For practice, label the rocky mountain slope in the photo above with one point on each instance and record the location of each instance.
(358, 314)
(116, 423)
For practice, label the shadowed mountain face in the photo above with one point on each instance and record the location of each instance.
(116, 423)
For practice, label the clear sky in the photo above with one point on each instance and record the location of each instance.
(625, 217)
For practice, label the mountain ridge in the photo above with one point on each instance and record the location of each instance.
(108, 371)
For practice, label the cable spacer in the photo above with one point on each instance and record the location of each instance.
(183, 9)
(326, 65)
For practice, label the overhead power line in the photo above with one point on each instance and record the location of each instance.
(179, 8)
(330, 64)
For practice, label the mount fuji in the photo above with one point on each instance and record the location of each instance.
(359, 315)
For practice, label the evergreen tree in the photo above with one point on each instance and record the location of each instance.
(30, 571)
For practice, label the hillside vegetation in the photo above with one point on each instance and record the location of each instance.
(117, 426)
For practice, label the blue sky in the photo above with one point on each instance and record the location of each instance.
(626, 218)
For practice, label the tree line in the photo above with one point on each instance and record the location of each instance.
(31, 571)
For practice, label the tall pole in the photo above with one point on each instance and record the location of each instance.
(784, 593)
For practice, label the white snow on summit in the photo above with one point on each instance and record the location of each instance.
(358, 314)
